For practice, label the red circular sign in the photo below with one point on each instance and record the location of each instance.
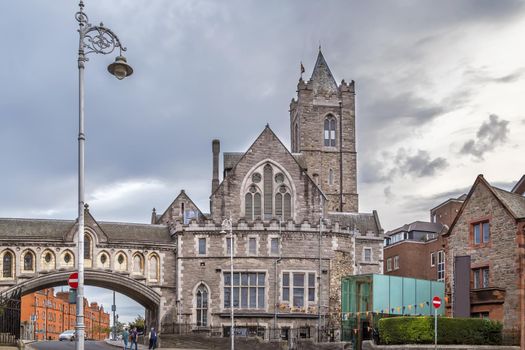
(436, 302)
(73, 280)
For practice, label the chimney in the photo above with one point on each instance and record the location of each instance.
(216, 148)
(153, 216)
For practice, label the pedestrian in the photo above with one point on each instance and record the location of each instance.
(134, 339)
(125, 338)
(152, 338)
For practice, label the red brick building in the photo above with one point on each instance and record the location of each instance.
(415, 250)
(488, 236)
(45, 315)
(446, 212)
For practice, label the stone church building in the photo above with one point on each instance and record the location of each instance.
(293, 216)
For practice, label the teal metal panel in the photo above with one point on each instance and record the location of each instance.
(396, 295)
(409, 296)
(438, 289)
(423, 293)
(381, 293)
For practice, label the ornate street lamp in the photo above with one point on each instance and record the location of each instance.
(227, 225)
(100, 40)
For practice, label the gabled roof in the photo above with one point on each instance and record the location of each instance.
(519, 187)
(182, 194)
(322, 79)
(513, 203)
(267, 129)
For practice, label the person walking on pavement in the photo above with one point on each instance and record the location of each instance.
(152, 338)
(134, 339)
(125, 338)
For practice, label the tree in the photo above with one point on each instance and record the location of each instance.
(139, 322)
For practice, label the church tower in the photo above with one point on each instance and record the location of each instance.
(322, 124)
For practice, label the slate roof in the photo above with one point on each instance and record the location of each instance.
(322, 79)
(514, 202)
(231, 158)
(417, 226)
(36, 229)
(132, 232)
(362, 222)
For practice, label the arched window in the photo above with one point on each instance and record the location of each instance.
(268, 191)
(296, 137)
(87, 247)
(202, 306)
(29, 261)
(7, 265)
(153, 268)
(103, 259)
(268, 195)
(138, 264)
(283, 203)
(329, 131)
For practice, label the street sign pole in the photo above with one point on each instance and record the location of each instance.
(436, 302)
(435, 328)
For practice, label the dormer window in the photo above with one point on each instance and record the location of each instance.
(329, 131)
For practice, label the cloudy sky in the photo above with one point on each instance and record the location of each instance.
(439, 98)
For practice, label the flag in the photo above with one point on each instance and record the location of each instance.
(302, 68)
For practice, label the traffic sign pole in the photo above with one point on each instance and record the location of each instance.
(436, 302)
(435, 328)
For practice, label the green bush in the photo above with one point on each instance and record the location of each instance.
(420, 330)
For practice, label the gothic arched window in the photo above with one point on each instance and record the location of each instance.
(7, 264)
(87, 247)
(268, 191)
(296, 137)
(268, 195)
(29, 261)
(153, 268)
(202, 306)
(329, 131)
(138, 264)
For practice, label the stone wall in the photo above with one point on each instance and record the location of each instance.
(498, 254)
(299, 253)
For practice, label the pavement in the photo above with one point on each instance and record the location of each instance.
(120, 344)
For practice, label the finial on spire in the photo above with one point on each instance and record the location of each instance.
(319, 45)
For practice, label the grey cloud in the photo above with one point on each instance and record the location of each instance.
(405, 163)
(482, 76)
(491, 134)
(419, 164)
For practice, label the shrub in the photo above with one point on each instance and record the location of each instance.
(420, 330)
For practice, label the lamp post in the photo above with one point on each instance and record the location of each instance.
(227, 225)
(99, 40)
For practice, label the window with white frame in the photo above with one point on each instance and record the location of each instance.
(396, 262)
(433, 259)
(389, 264)
(298, 288)
(202, 306)
(367, 254)
(441, 266)
(248, 290)
(202, 246)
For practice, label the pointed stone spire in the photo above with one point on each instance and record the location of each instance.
(323, 81)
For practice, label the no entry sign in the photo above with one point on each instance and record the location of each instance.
(73, 280)
(436, 301)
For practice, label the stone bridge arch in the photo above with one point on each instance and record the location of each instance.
(141, 293)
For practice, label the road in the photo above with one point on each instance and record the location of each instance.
(70, 345)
